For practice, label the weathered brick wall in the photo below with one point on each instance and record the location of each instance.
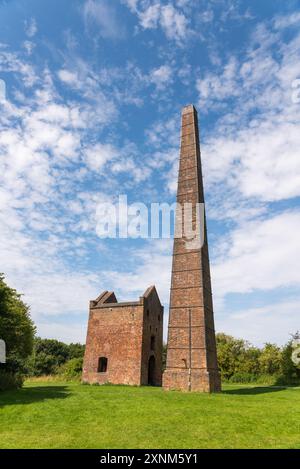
(153, 327)
(116, 333)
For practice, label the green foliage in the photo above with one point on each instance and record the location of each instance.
(236, 356)
(72, 369)
(243, 363)
(290, 371)
(49, 355)
(40, 364)
(270, 359)
(75, 351)
(17, 330)
(10, 380)
(270, 380)
(241, 377)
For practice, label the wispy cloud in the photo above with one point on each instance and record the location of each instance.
(30, 27)
(101, 14)
(255, 145)
(156, 14)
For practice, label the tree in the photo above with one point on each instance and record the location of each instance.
(236, 356)
(76, 351)
(16, 328)
(50, 354)
(290, 368)
(270, 359)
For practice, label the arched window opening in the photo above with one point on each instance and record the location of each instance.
(102, 365)
(152, 342)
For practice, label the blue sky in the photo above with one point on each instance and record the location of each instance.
(94, 91)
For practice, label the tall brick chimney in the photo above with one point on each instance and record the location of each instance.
(191, 354)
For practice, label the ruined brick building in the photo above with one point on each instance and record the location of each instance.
(124, 340)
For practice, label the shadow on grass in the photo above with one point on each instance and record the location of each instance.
(32, 394)
(255, 390)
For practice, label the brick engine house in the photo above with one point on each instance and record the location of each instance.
(124, 340)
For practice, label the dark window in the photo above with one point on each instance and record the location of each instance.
(158, 318)
(147, 313)
(152, 343)
(102, 365)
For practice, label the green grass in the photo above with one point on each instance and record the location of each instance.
(71, 415)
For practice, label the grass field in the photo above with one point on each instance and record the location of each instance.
(70, 415)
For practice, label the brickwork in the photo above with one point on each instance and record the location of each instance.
(129, 336)
(191, 355)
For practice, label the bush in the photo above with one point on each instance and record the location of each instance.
(287, 381)
(72, 369)
(270, 380)
(249, 378)
(243, 378)
(10, 380)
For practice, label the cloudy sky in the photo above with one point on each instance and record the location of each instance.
(91, 109)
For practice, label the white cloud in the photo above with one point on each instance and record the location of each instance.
(10, 62)
(174, 23)
(152, 266)
(259, 161)
(217, 87)
(149, 17)
(161, 76)
(30, 27)
(132, 4)
(68, 77)
(29, 46)
(254, 145)
(63, 332)
(98, 155)
(102, 14)
(170, 19)
(284, 21)
(271, 323)
(259, 255)
(258, 258)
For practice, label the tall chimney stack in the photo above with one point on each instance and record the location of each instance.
(191, 353)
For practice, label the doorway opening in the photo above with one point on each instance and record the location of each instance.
(151, 371)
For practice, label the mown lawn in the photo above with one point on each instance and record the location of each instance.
(64, 415)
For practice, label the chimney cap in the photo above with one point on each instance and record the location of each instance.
(188, 109)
